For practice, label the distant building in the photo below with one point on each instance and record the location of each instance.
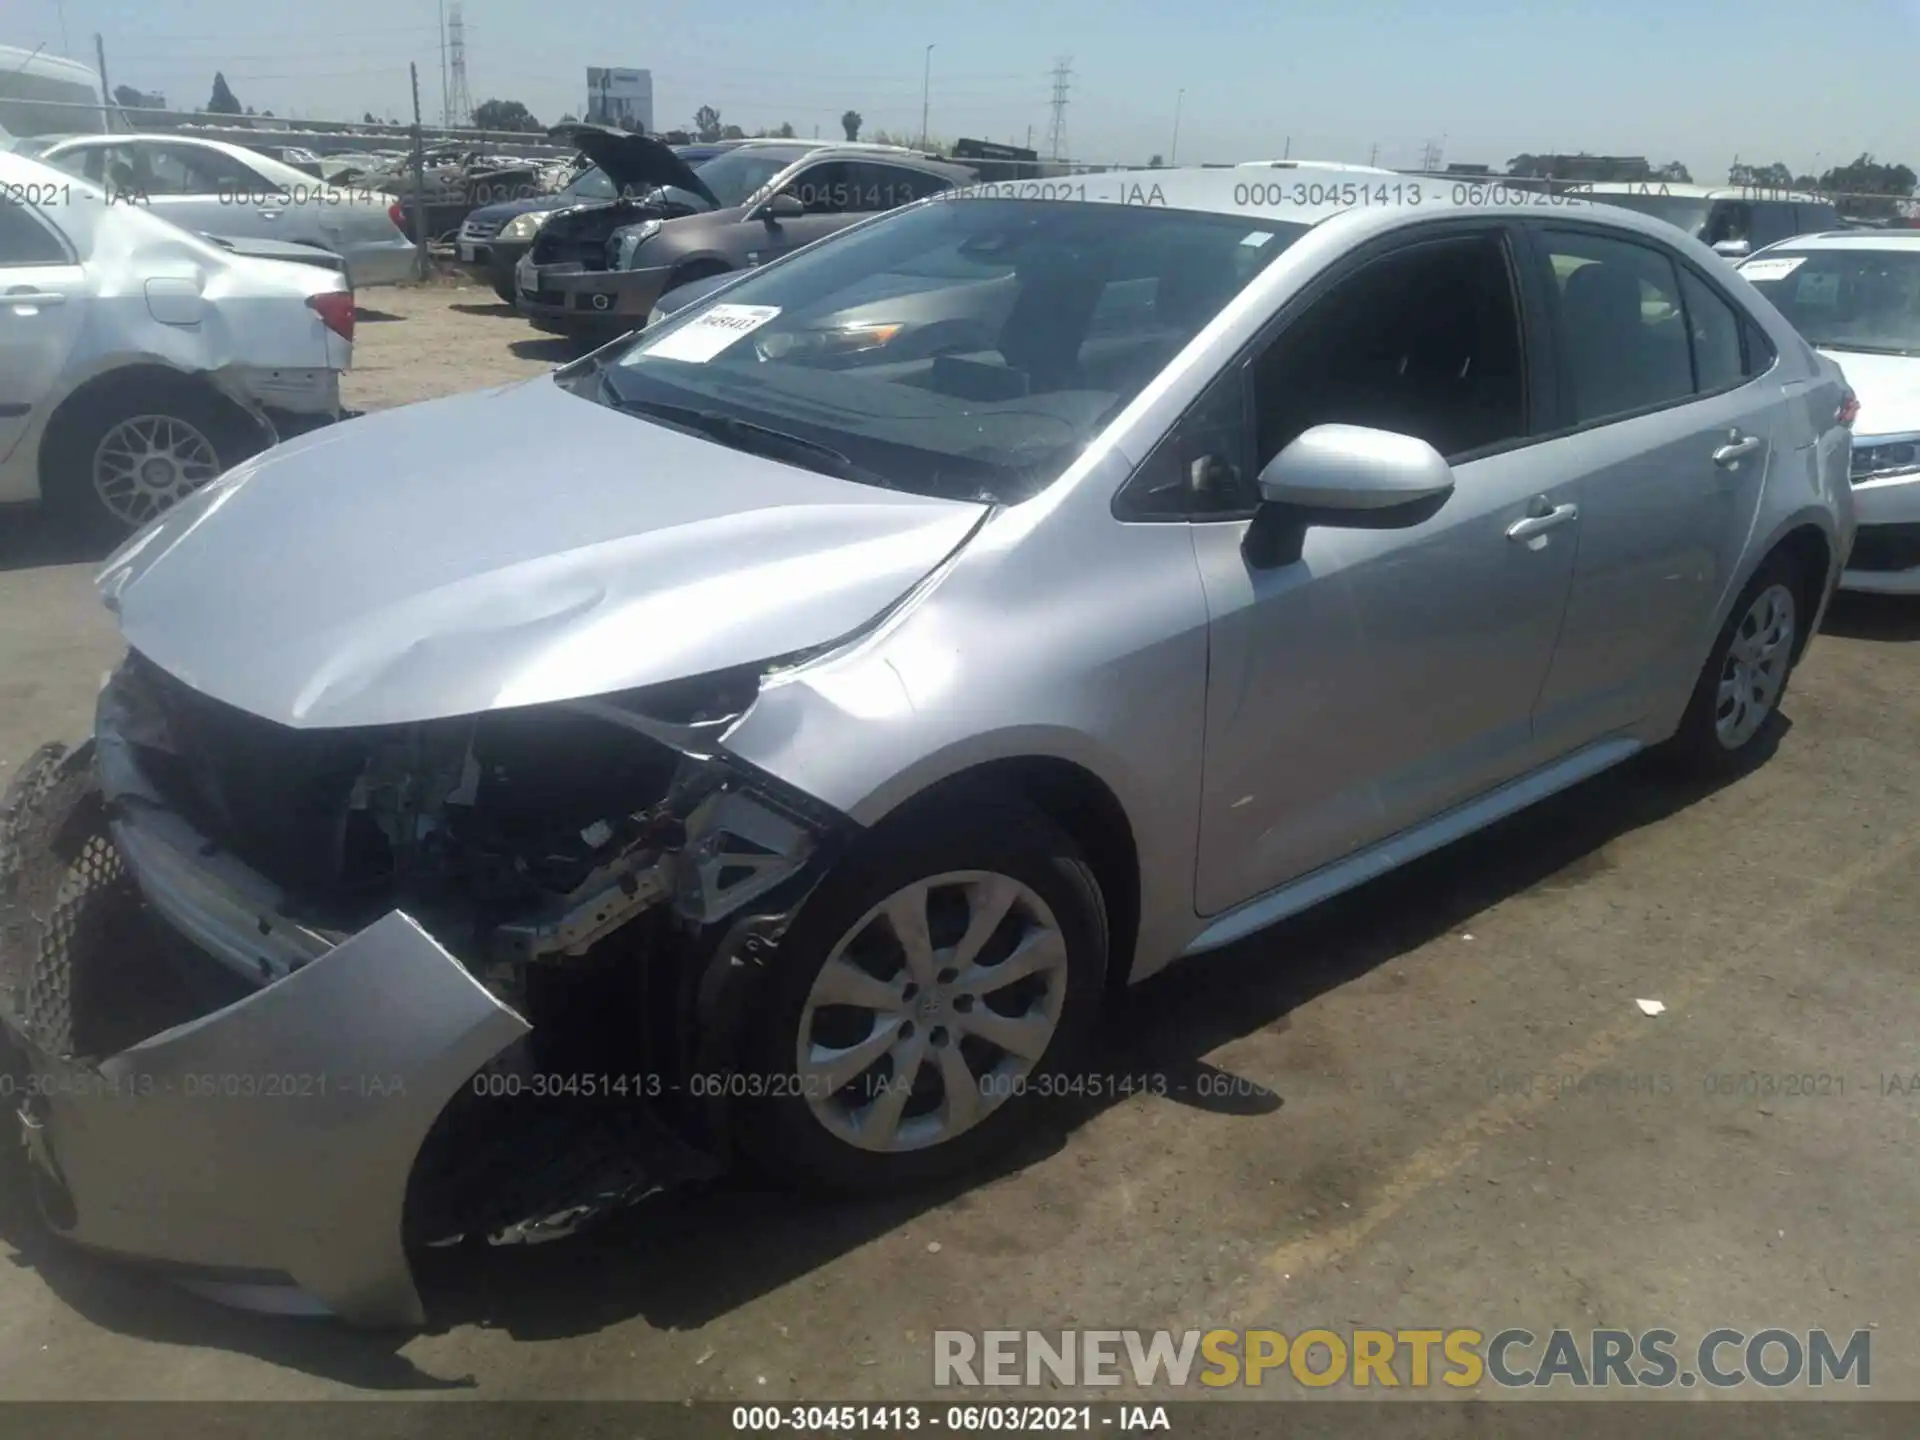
(621, 98)
(1469, 169)
(1596, 169)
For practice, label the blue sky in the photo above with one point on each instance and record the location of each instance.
(1699, 82)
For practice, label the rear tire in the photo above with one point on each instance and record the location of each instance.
(1727, 725)
(847, 984)
(121, 456)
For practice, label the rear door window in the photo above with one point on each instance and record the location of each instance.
(1624, 330)
(883, 187)
(27, 239)
(1772, 220)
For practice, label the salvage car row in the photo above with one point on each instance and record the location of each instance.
(919, 635)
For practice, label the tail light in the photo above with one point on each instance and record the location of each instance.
(335, 309)
(1849, 410)
(397, 213)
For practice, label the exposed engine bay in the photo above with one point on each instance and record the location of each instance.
(187, 900)
(584, 235)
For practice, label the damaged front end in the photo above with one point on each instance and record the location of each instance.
(289, 1003)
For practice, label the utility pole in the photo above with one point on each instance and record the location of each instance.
(1057, 132)
(926, 84)
(446, 112)
(100, 54)
(1373, 153)
(1173, 150)
(61, 8)
(1287, 154)
(420, 263)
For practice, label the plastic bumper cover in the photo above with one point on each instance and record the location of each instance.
(271, 1140)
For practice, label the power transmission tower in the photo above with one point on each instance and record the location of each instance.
(1057, 131)
(460, 99)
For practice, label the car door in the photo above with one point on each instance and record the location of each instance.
(1362, 680)
(43, 295)
(207, 191)
(1673, 423)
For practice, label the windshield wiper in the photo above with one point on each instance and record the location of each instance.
(754, 439)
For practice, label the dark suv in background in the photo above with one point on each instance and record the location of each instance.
(490, 242)
(599, 269)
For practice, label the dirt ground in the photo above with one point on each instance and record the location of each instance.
(1434, 1102)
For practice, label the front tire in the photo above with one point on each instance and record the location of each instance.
(928, 1000)
(1725, 729)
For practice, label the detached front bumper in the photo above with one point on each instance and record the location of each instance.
(207, 1083)
(570, 298)
(267, 1141)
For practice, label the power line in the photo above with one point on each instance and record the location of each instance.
(1057, 131)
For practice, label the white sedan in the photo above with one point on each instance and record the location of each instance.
(138, 361)
(213, 188)
(1855, 296)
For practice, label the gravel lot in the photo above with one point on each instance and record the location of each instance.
(1373, 1162)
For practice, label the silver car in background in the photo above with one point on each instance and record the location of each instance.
(1855, 297)
(137, 361)
(213, 188)
(786, 766)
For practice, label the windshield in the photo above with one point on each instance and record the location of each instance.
(961, 347)
(594, 184)
(1864, 300)
(1687, 212)
(735, 176)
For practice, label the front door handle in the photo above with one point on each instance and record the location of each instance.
(1533, 525)
(1737, 448)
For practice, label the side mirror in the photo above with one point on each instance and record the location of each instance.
(782, 207)
(1349, 474)
(1732, 249)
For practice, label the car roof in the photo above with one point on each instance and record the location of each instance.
(1699, 192)
(1847, 240)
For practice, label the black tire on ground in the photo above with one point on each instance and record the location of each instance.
(779, 1134)
(1697, 747)
(504, 288)
(67, 458)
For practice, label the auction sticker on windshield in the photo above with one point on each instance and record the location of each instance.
(710, 332)
(1762, 270)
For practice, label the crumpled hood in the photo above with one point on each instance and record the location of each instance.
(514, 546)
(1888, 387)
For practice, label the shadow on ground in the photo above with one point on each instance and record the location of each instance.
(684, 1259)
(499, 308)
(30, 537)
(368, 317)
(1873, 617)
(556, 349)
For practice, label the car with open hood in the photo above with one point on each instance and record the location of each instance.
(599, 270)
(1855, 296)
(494, 236)
(483, 833)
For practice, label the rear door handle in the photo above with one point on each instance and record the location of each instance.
(1526, 529)
(1737, 448)
(21, 295)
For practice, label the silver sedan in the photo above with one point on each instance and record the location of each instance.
(772, 735)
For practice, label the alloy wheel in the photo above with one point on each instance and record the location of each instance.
(931, 1011)
(1756, 667)
(148, 463)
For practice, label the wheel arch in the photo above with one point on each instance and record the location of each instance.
(1080, 803)
(128, 377)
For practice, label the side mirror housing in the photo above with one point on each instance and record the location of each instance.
(1350, 474)
(782, 207)
(1732, 249)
